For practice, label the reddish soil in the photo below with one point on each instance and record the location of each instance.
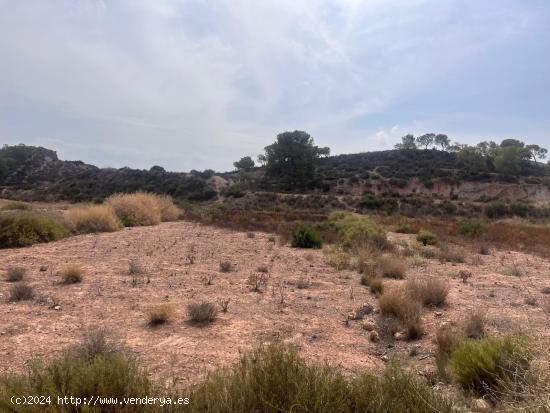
(311, 318)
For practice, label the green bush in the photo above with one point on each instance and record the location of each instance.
(357, 231)
(496, 210)
(482, 365)
(426, 237)
(22, 230)
(471, 228)
(105, 374)
(275, 379)
(305, 236)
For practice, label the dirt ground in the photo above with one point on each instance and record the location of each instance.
(312, 317)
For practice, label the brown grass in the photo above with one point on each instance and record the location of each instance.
(21, 292)
(92, 218)
(160, 314)
(445, 340)
(202, 312)
(15, 274)
(429, 291)
(140, 208)
(405, 308)
(391, 267)
(474, 325)
(71, 274)
(168, 210)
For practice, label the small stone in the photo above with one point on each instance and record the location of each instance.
(385, 358)
(57, 307)
(399, 336)
(480, 405)
(438, 313)
(368, 325)
(374, 337)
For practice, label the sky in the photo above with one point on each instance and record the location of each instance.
(197, 84)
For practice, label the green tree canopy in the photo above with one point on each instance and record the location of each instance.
(293, 158)
(442, 141)
(425, 140)
(407, 142)
(244, 164)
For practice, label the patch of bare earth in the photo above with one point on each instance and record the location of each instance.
(305, 301)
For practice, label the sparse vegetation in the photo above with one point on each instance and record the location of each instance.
(471, 228)
(71, 274)
(257, 281)
(93, 218)
(24, 229)
(481, 365)
(427, 238)
(304, 236)
(202, 312)
(160, 314)
(15, 274)
(405, 308)
(21, 292)
(16, 206)
(391, 267)
(429, 291)
(135, 267)
(474, 325)
(446, 340)
(226, 266)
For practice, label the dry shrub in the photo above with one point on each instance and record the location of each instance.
(16, 206)
(429, 291)
(92, 218)
(225, 266)
(257, 282)
(303, 283)
(336, 258)
(168, 210)
(21, 292)
(140, 208)
(160, 314)
(376, 285)
(406, 309)
(429, 252)
(452, 254)
(15, 274)
(262, 268)
(545, 290)
(135, 267)
(446, 340)
(391, 267)
(202, 312)
(71, 274)
(513, 270)
(224, 304)
(387, 325)
(474, 325)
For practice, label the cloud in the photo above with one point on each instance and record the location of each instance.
(197, 84)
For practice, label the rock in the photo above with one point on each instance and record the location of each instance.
(399, 336)
(374, 337)
(385, 358)
(57, 307)
(438, 313)
(368, 325)
(480, 405)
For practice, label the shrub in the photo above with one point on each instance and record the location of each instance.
(160, 314)
(338, 259)
(274, 378)
(496, 210)
(225, 266)
(446, 341)
(111, 375)
(426, 238)
(429, 291)
(405, 308)
(135, 267)
(24, 229)
(15, 274)
(474, 325)
(16, 206)
(21, 292)
(471, 228)
(480, 365)
(71, 274)
(405, 229)
(376, 285)
(305, 236)
(356, 231)
(391, 267)
(513, 270)
(452, 254)
(140, 208)
(203, 312)
(93, 218)
(168, 210)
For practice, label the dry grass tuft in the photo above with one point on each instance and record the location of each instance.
(21, 292)
(474, 325)
(202, 312)
(391, 267)
(15, 274)
(92, 218)
(160, 314)
(429, 291)
(71, 274)
(225, 266)
(143, 208)
(406, 309)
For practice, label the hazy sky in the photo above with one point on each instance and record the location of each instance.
(199, 83)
